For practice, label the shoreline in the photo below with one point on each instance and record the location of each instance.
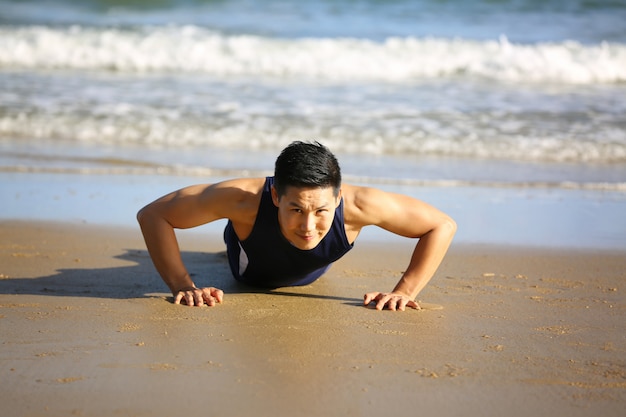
(89, 328)
(586, 219)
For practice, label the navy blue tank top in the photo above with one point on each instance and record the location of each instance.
(267, 259)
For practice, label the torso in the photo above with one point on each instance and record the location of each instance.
(263, 256)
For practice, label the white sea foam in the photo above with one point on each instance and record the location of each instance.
(197, 50)
(267, 134)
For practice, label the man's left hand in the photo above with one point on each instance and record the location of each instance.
(391, 301)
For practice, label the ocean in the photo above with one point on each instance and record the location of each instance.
(481, 101)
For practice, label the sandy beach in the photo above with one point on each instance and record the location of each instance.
(88, 329)
(509, 116)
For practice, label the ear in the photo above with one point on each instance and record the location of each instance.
(275, 198)
(338, 199)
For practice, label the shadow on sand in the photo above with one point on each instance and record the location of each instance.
(140, 278)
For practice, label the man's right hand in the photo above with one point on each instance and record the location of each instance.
(199, 297)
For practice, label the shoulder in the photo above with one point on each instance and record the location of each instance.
(203, 203)
(238, 187)
(240, 195)
(371, 206)
(362, 205)
(237, 200)
(397, 213)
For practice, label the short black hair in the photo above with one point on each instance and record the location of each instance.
(304, 165)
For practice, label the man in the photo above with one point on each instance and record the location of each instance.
(288, 229)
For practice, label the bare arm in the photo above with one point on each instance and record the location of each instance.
(408, 217)
(186, 208)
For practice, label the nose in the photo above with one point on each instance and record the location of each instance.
(308, 223)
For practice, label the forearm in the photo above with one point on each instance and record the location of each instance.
(163, 248)
(427, 256)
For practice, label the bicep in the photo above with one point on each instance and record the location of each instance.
(401, 214)
(191, 206)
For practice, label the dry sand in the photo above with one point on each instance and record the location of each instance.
(87, 329)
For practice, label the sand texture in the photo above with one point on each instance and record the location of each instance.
(87, 329)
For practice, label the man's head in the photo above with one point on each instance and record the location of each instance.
(306, 165)
(306, 191)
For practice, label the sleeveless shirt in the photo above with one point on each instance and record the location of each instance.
(267, 259)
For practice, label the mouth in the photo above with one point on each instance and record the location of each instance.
(306, 238)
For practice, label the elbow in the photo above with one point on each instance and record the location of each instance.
(143, 214)
(151, 217)
(450, 226)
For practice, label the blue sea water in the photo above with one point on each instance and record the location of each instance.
(503, 96)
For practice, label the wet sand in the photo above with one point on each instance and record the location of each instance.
(87, 328)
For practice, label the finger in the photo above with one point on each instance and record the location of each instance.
(218, 294)
(391, 304)
(382, 301)
(403, 303)
(367, 298)
(371, 296)
(208, 299)
(207, 296)
(212, 296)
(198, 298)
(189, 298)
(414, 305)
(179, 296)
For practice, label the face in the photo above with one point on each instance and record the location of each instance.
(306, 214)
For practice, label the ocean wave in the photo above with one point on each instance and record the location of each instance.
(459, 141)
(155, 133)
(192, 49)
